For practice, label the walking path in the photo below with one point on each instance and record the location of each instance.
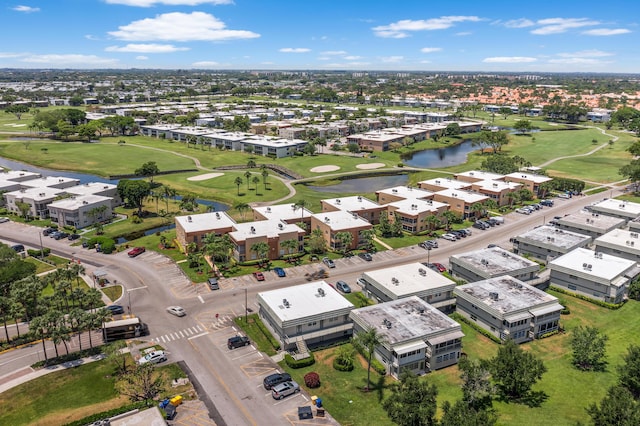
(553, 160)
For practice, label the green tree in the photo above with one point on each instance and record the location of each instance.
(256, 181)
(515, 371)
(141, 384)
(301, 205)
(134, 192)
(291, 245)
(412, 402)
(261, 249)
(265, 175)
(369, 339)
(523, 126)
(24, 208)
(452, 129)
(17, 110)
(629, 372)
(317, 243)
(344, 240)
(631, 171)
(477, 389)
(247, 176)
(589, 349)
(238, 182)
(461, 414)
(506, 112)
(242, 208)
(251, 164)
(617, 408)
(148, 169)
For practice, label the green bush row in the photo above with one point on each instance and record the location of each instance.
(107, 245)
(301, 363)
(342, 366)
(459, 318)
(110, 413)
(377, 366)
(612, 306)
(549, 334)
(97, 350)
(38, 253)
(267, 334)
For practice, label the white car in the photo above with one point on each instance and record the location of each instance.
(177, 311)
(4, 219)
(153, 357)
(523, 211)
(450, 237)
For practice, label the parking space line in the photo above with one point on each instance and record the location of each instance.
(182, 335)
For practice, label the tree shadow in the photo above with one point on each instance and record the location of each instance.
(532, 399)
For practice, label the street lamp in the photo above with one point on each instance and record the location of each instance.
(246, 307)
(129, 306)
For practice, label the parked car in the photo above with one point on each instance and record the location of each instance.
(279, 272)
(343, 287)
(492, 245)
(238, 341)
(177, 311)
(284, 389)
(4, 219)
(480, 224)
(258, 276)
(47, 231)
(439, 267)
(213, 284)
(61, 235)
(523, 211)
(136, 251)
(492, 221)
(467, 231)
(546, 203)
(153, 357)
(366, 256)
(73, 237)
(115, 309)
(275, 379)
(330, 263)
(18, 248)
(54, 234)
(449, 237)
(459, 234)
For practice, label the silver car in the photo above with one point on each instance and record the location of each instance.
(284, 389)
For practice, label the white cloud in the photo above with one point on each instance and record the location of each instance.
(519, 23)
(142, 58)
(352, 58)
(391, 59)
(463, 33)
(606, 31)
(561, 25)
(66, 60)
(91, 37)
(586, 54)
(294, 50)
(399, 29)
(334, 52)
(509, 59)
(26, 9)
(149, 3)
(579, 61)
(425, 62)
(430, 49)
(347, 65)
(176, 26)
(146, 48)
(7, 55)
(205, 64)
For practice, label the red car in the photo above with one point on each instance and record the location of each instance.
(259, 276)
(136, 251)
(440, 267)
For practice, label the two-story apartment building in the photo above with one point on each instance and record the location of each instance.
(272, 232)
(621, 209)
(38, 200)
(621, 243)
(461, 202)
(529, 181)
(192, 228)
(417, 337)
(442, 183)
(414, 214)
(547, 242)
(363, 207)
(399, 193)
(80, 211)
(332, 223)
(306, 315)
(492, 262)
(509, 308)
(288, 213)
(588, 223)
(497, 190)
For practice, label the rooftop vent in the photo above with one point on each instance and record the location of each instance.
(326, 220)
(280, 226)
(422, 272)
(188, 218)
(359, 198)
(85, 202)
(217, 215)
(337, 200)
(386, 323)
(253, 230)
(493, 295)
(268, 209)
(394, 190)
(395, 281)
(484, 261)
(321, 292)
(286, 303)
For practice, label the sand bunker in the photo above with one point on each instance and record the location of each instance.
(205, 176)
(324, 169)
(368, 166)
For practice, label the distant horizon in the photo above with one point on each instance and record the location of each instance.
(377, 35)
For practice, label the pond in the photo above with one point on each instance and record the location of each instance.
(363, 185)
(441, 157)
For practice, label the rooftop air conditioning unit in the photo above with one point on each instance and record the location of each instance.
(188, 218)
(337, 200)
(321, 292)
(253, 230)
(268, 209)
(422, 272)
(395, 281)
(493, 295)
(217, 215)
(280, 226)
(286, 303)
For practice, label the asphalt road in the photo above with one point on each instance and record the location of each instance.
(232, 379)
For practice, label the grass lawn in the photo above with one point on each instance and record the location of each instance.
(40, 265)
(113, 292)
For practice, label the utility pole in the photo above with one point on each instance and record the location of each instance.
(246, 307)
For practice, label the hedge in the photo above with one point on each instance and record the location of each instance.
(107, 245)
(97, 350)
(459, 318)
(110, 413)
(377, 366)
(337, 365)
(36, 253)
(612, 306)
(301, 363)
(267, 334)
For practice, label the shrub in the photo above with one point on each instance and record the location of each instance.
(612, 306)
(459, 318)
(378, 367)
(107, 245)
(312, 380)
(342, 365)
(36, 253)
(301, 363)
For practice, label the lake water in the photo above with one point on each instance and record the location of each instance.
(363, 185)
(441, 157)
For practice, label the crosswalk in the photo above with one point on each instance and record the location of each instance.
(182, 334)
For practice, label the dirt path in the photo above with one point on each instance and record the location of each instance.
(553, 160)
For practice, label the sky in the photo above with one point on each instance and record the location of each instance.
(369, 35)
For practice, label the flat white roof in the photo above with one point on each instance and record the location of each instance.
(617, 207)
(529, 176)
(417, 206)
(304, 300)
(18, 175)
(407, 192)
(90, 188)
(283, 212)
(205, 221)
(620, 239)
(341, 220)
(552, 236)
(266, 228)
(496, 185)
(494, 260)
(587, 220)
(37, 194)
(512, 294)
(466, 196)
(48, 181)
(591, 263)
(405, 319)
(74, 203)
(352, 204)
(407, 279)
(446, 183)
(481, 175)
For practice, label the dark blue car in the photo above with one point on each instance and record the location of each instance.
(280, 272)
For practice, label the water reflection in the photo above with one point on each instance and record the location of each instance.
(441, 157)
(363, 185)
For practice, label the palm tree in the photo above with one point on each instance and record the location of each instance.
(345, 239)
(433, 221)
(290, 245)
(251, 164)
(238, 182)
(366, 237)
(261, 249)
(369, 339)
(256, 181)
(265, 175)
(478, 208)
(301, 204)
(242, 208)
(167, 192)
(247, 175)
